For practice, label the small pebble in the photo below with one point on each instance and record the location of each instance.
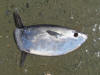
(86, 50)
(98, 54)
(99, 27)
(93, 29)
(98, 38)
(7, 36)
(71, 17)
(94, 40)
(47, 74)
(1, 36)
(25, 70)
(95, 25)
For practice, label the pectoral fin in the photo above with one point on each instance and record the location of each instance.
(53, 33)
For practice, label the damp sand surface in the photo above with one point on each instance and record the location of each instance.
(81, 15)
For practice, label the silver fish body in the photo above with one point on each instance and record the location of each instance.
(48, 40)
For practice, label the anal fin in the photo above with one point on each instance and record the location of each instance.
(23, 57)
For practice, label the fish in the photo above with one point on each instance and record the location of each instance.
(46, 39)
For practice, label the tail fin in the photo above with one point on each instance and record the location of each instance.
(17, 19)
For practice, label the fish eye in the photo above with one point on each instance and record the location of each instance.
(75, 34)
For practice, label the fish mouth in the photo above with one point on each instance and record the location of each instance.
(85, 36)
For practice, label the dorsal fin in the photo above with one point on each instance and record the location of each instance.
(17, 20)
